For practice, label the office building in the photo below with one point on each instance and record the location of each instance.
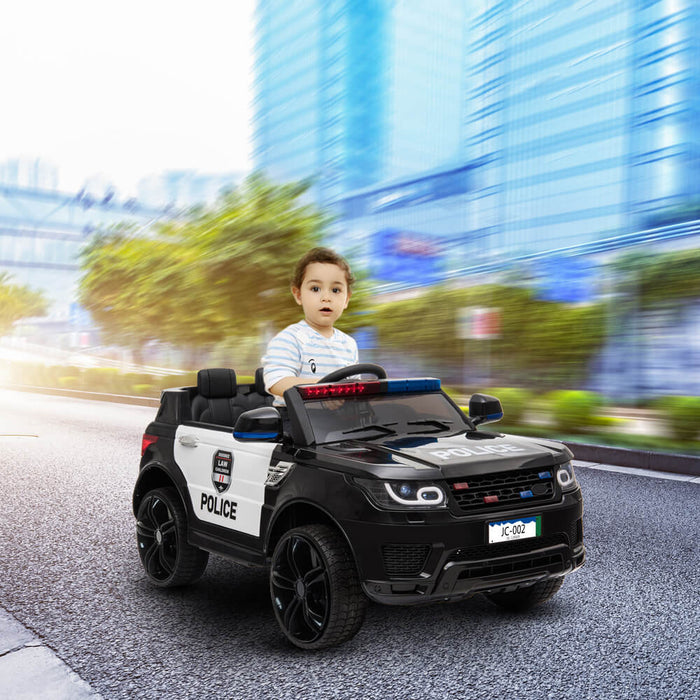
(354, 92)
(584, 114)
(483, 132)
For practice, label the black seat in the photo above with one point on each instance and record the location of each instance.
(216, 398)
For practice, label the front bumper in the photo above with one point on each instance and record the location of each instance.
(422, 562)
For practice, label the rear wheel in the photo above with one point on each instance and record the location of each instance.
(526, 598)
(315, 588)
(161, 533)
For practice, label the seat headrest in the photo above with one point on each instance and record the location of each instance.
(216, 383)
(260, 382)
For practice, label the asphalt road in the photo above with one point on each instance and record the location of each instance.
(625, 626)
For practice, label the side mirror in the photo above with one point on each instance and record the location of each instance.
(259, 424)
(484, 409)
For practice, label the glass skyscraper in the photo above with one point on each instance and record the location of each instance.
(320, 100)
(355, 92)
(584, 114)
(482, 132)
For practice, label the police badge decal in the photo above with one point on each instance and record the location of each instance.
(221, 470)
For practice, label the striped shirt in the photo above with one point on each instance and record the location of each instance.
(301, 351)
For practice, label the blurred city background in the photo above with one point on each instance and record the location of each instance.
(517, 185)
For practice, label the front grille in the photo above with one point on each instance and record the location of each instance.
(576, 534)
(505, 489)
(508, 549)
(487, 560)
(404, 559)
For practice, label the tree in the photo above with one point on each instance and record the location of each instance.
(142, 289)
(17, 302)
(539, 342)
(215, 273)
(249, 244)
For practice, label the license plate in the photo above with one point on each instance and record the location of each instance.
(509, 530)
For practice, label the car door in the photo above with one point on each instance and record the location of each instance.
(225, 477)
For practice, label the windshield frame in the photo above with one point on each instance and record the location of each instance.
(306, 430)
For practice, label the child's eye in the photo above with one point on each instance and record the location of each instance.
(337, 290)
(315, 288)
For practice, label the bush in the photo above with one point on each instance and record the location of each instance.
(515, 403)
(69, 382)
(143, 389)
(682, 415)
(575, 411)
(102, 379)
(130, 379)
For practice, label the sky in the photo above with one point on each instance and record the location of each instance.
(127, 88)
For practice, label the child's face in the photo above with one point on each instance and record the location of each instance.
(324, 295)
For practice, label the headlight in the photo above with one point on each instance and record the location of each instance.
(403, 495)
(566, 477)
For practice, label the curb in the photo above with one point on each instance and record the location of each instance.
(640, 459)
(619, 456)
(30, 669)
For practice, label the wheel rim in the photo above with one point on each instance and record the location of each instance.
(157, 538)
(300, 589)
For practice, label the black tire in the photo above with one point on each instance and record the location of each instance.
(161, 534)
(315, 589)
(525, 598)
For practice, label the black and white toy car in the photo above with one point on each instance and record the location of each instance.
(379, 490)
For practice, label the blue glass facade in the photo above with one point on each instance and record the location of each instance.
(319, 106)
(572, 125)
(583, 113)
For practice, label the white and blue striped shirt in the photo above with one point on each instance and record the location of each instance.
(301, 351)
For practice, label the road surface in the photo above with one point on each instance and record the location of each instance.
(625, 626)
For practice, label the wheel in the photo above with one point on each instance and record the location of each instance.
(526, 598)
(344, 372)
(315, 588)
(161, 533)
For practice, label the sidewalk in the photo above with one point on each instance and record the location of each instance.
(30, 669)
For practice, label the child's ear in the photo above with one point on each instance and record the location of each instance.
(347, 299)
(297, 294)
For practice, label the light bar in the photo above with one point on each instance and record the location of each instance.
(403, 385)
(385, 386)
(326, 391)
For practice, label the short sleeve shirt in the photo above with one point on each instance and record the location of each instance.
(301, 351)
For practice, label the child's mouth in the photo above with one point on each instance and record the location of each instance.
(326, 310)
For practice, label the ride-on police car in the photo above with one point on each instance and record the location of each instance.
(379, 489)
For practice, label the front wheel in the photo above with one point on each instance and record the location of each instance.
(315, 588)
(525, 598)
(161, 532)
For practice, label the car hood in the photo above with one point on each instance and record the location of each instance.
(453, 456)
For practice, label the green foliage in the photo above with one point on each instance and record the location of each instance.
(142, 389)
(515, 403)
(215, 273)
(17, 302)
(541, 343)
(102, 379)
(69, 382)
(574, 411)
(682, 414)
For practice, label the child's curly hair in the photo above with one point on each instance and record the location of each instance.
(321, 255)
